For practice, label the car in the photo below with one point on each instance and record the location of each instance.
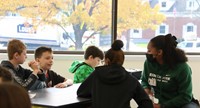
(190, 46)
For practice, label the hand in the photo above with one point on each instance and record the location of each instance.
(35, 66)
(66, 83)
(156, 105)
(148, 91)
(60, 85)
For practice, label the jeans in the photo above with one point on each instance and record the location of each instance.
(38, 85)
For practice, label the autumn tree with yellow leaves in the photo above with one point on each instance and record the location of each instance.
(86, 15)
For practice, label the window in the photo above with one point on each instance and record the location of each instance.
(136, 31)
(190, 32)
(63, 26)
(162, 29)
(190, 29)
(190, 45)
(198, 45)
(181, 25)
(163, 4)
(190, 4)
(73, 25)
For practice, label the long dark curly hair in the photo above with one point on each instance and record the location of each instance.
(171, 54)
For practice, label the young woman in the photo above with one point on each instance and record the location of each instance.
(166, 76)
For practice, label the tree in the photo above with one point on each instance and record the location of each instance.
(85, 15)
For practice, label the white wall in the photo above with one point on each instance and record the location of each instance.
(63, 62)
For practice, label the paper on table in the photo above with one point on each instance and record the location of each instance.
(31, 95)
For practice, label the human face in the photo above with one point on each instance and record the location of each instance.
(156, 54)
(152, 50)
(20, 58)
(45, 61)
(95, 62)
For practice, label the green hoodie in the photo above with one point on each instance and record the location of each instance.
(81, 71)
(172, 87)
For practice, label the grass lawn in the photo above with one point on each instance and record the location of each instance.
(143, 45)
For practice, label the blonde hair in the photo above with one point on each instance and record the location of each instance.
(14, 46)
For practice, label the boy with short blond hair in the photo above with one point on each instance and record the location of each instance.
(93, 55)
(44, 56)
(31, 80)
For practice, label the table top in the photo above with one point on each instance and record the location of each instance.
(135, 72)
(56, 97)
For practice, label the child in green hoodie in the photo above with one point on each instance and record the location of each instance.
(93, 55)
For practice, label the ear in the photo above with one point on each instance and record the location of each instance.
(90, 57)
(37, 60)
(16, 55)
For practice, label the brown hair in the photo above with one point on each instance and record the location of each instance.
(13, 96)
(5, 74)
(14, 46)
(115, 54)
(40, 50)
(94, 52)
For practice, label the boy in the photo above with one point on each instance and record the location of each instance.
(31, 80)
(5, 75)
(82, 70)
(44, 56)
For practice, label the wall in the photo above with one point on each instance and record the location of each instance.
(63, 62)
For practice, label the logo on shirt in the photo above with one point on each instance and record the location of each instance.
(153, 78)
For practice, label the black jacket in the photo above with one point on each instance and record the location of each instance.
(23, 77)
(113, 87)
(52, 78)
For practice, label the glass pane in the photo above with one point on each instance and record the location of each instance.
(61, 24)
(189, 45)
(162, 29)
(157, 17)
(198, 45)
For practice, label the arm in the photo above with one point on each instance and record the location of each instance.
(145, 82)
(144, 79)
(85, 89)
(26, 83)
(141, 98)
(82, 73)
(35, 66)
(59, 81)
(41, 76)
(64, 84)
(185, 89)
